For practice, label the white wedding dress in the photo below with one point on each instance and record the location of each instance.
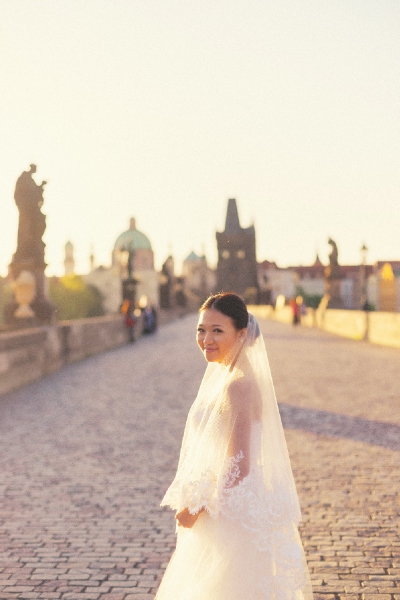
(234, 465)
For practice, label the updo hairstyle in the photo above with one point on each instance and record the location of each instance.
(228, 304)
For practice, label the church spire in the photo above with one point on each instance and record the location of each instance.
(232, 224)
(69, 260)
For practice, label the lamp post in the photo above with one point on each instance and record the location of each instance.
(364, 278)
(129, 283)
(126, 257)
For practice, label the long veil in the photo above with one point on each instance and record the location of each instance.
(234, 461)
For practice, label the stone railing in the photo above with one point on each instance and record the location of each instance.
(377, 327)
(29, 354)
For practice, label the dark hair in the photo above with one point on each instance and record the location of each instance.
(228, 304)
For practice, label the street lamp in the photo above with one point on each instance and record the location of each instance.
(364, 278)
(126, 256)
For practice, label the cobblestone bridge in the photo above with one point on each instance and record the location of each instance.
(87, 454)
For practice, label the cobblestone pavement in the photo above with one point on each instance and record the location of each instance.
(87, 454)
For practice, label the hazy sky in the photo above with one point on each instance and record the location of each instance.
(164, 109)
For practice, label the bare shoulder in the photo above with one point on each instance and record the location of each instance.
(243, 389)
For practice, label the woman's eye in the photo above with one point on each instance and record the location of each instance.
(218, 330)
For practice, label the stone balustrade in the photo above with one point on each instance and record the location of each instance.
(30, 354)
(377, 327)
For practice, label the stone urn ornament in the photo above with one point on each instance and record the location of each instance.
(24, 288)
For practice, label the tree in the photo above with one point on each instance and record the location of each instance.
(311, 300)
(75, 299)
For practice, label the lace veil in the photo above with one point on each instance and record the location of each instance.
(234, 463)
(234, 460)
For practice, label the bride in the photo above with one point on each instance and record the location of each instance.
(234, 493)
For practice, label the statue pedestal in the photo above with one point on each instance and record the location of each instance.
(333, 291)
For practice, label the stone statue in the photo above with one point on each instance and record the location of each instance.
(333, 277)
(333, 257)
(30, 305)
(28, 197)
(166, 283)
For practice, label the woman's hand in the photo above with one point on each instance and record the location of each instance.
(185, 519)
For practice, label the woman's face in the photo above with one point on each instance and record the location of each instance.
(216, 334)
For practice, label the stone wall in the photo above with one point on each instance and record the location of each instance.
(377, 327)
(29, 354)
(384, 328)
(349, 323)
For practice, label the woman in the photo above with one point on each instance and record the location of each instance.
(234, 493)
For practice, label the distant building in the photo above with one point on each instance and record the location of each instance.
(69, 260)
(384, 286)
(107, 281)
(92, 259)
(167, 283)
(132, 251)
(237, 263)
(274, 281)
(138, 244)
(200, 279)
(133, 256)
(310, 279)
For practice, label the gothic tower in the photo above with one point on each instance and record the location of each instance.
(237, 263)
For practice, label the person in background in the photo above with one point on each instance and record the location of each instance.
(128, 312)
(149, 319)
(295, 305)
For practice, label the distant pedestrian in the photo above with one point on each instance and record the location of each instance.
(129, 319)
(296, 304)
(149, 319)
(234, 493)
(295, 311)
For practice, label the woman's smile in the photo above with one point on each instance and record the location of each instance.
(216, 334)
(210, 350)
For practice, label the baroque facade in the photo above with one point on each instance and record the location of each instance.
(132, 256)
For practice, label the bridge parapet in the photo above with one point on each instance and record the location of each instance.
(377, 327)
(30, 354)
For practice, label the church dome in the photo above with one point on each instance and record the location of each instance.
(192, 257)
(132, 239)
